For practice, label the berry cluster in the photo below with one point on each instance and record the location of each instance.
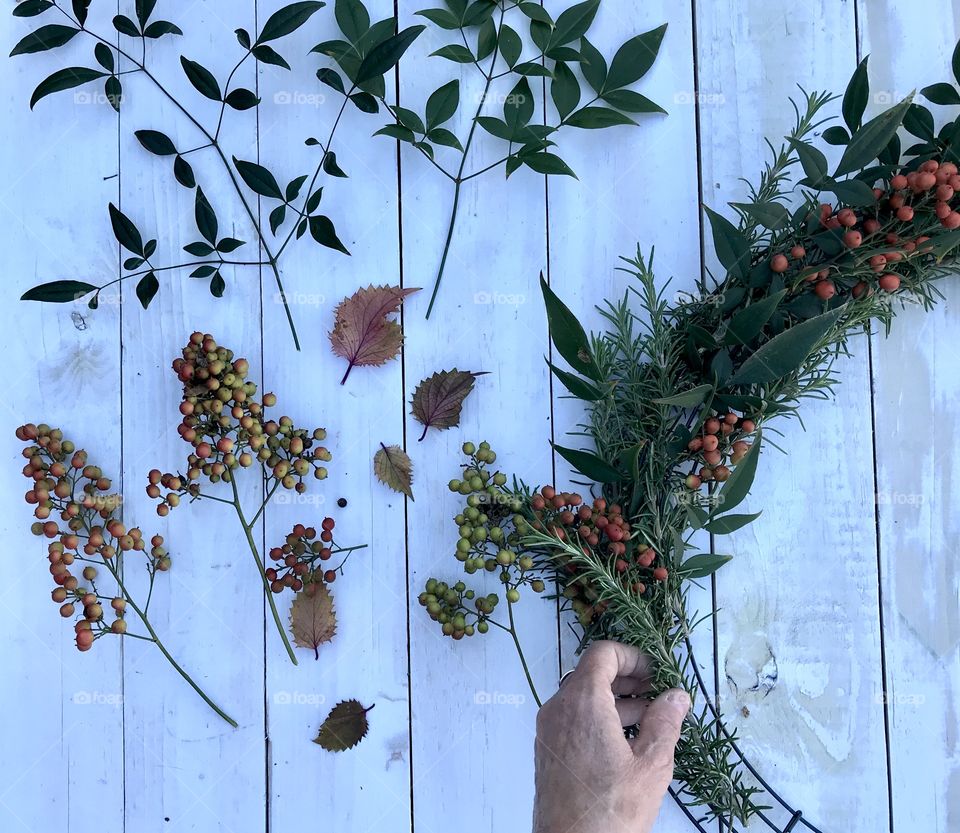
(297, 558)
(66, 486)
(890, 234)
(228, 428)
(721, 441)
(448, 605)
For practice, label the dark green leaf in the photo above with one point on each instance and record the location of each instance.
(64, 79)
(408, 118)
(748, 323)
(574, 22)
(703, 565)
(813, 162)
(786, 352)
(277, 216)
(771, 215)
(125, 231)
(217, 285)
(241, 99)
(854, 192)
(547, 163)
(243, 38)
(593, 66)
(532, 69)
(872, 138)
(268, 55)
(692, 398)
(631, 102)
(203, 272)
(292, 191)
(518, 106)
(919, 122)
(313, 201)
(384, 56)
(568, 335)
(495, 127)
(199, 249)
(229, 244)
(634, 59)
(46, 37)
(365, 102)
(156, 142)
(478, 13)
(147, 287)
(455, 52)
(836, 135)
(258, 179)
(738, 485)
(732, 248)
(149, 248)
(589, 464)
(31, 8)
(580, 388)
(159, 28)
(144, 8)
(331, 79)
(288, 19)
(442, 136)
(184, 173)
(202, 79)
(104, 56)
(125, 26)
(535, 11)
(941, 94)
(330, 165)
(726, 524)
(511, 47)
(397, 131)
(206, 217)
(443, 18)
(133, 263)
(442, 104)
(856, 96)
(113, 90)
(564, 90)
(322, 230)
(352, 18)
(598, 118)
(58, 292)
(486, 39)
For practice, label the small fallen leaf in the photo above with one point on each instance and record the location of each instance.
(392, 467)
(313, 620)
(437, 401)
(362, 334)
(345, 726)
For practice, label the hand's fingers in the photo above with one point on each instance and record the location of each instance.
(659, 732)
(604, 663)
(631, 709)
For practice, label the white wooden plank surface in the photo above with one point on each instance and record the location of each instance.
(915, 418)
(162, 761)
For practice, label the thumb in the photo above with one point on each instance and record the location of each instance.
(660, 730)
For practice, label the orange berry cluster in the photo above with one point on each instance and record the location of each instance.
(721, 441)
(228, 429)
(891, 225)
(298, 556)
(65, 485)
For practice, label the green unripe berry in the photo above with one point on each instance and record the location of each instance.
(473, 501)
(490, 565)
(454, 485)
(463, 545)
(459, 587)
(526, 562)
(476, 483)
(464, 488)
(499, 478)
(469, 448)
(513, 595)
(479, 535)
(466, 530)
(482, 627)
(431, 585)
(447, 629)
(537, 586)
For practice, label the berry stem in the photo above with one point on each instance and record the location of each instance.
(523, 659)
(248, 532)
(163, 649)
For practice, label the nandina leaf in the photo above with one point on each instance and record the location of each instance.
(362, 333)
(313, 620)
(392, 466)
(703, 565)
(44, 38)
(288, 19)
(345, 726)
(734, 491)
(870, 140)
(58, 292)
(438, 400)
(589, 464)
(64, 79)
(856, 97)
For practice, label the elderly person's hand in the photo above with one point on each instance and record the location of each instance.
(589, 777)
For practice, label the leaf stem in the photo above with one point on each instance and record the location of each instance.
(523, 659)
(248, 532)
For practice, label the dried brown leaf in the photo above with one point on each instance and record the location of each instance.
(438, 400)
(313, 620)
(362, 333)
(392, 467)
(345, 726)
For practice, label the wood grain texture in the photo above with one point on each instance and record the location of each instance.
(114, 739)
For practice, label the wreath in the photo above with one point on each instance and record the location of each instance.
(678, 397)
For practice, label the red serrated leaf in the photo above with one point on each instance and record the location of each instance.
(345, 726)
(362, 333)
(438, 400)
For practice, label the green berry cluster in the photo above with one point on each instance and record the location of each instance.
(449, 606)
